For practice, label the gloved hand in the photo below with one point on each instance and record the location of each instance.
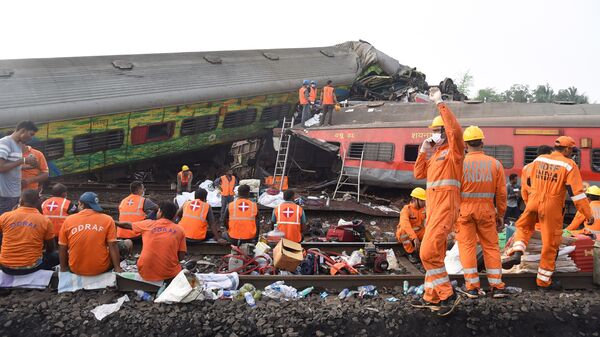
(435, 95)
(426, 145)
(591, 221)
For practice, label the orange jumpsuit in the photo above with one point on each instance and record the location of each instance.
(525, 182)
(410, 227)
(552, 175)
(483, 182)
(443, 172)
(580, 218)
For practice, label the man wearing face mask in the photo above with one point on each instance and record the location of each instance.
(134, 208)
(552, 176)
(443, 172)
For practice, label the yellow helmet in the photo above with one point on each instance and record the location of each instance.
(593, 190)
(473, 133)
(437, 122)
(418, 193)
(185, 168)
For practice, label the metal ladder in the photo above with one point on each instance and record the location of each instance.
(282, 152)
(345, 177)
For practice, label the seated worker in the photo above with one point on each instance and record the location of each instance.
(196, 215)
(25, 233)
(32, 176)
(134, 208)
(163, 244)
(241, 219)
(593, 193)
(87, 241)
(411, 227)
(58, 207)
(290, 218)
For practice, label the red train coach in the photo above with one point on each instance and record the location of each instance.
(390, 133)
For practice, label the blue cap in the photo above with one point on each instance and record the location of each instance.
(91, 199)
(305, 82)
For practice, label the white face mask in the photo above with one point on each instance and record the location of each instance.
(143, 193)
(437, 138)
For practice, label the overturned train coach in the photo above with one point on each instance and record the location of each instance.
(114, 113)
(388, 134)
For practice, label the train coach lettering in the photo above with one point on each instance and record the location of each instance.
(417, 135)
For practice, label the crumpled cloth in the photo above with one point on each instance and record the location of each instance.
(104, 310)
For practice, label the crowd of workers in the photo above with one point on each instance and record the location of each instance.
(307, 96)
(465, 193)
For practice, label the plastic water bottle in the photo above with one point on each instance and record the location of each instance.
(324, 294)
(142, 295)
(305, 292)
(420, 289)
(250, 299)
(405, 287)
(343, 293)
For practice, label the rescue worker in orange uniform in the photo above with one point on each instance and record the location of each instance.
(196, 216)
(134, 208)
(443, 172)
(227, 184)
(552, 176)
(290, 218)
(483, 185)
(312, 96)
(328, 100)
(304, 100)
(58, 207)
(411, 227)
(593, 194)
(241, 218)
(184, 180)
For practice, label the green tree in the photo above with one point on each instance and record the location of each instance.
(518, 93)
(489, 95)
(465, 83)
(571, 94)
(543, 94)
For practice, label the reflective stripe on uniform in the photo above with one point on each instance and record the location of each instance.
(494, 280)
(494, 271)
(578, 197)
(439, 281)
(543, 278)
(437, 271)
(477, 195)
(443, 182)
(544, 272)
(472, 279)
(555, 162)
(469, 270)
(519, 245)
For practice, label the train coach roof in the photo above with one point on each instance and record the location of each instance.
(64, 88)
(385, 114)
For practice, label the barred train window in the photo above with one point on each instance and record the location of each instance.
(596, 160)
(51, 148)
(239, 118)
(372, 151)
(530, 154)
(275, 112)
(98, 141)
(504, 153)
(192, 126)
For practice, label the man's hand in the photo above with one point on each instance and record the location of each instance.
(499, 224)
(435, 95)
(426, 146)
(31, 161)
(591, 221)
(118, 269)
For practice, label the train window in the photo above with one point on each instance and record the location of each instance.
(152, 133)
(239, 118)
(192, 126)
(372, 151)
(596, 160)
(504, 153)
(98, 141)
(275, 112)
(530, 154)
(576, 156)
(51, 148)
(411, 152)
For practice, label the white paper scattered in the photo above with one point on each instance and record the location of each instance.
(104, 310)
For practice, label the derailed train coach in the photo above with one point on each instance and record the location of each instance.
(102, 112)
(388, 135)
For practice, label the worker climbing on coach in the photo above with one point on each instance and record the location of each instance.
(184, 180)
(552, 176)
(196, 218)
(135, 207)
(312, 96)
(328, 100)
(593, 194)
(483, 193)
(304, 100)
(289, 217)
(241, 218)
(411, 227)
(443, 172)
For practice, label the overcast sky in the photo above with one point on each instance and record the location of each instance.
(499, 42)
